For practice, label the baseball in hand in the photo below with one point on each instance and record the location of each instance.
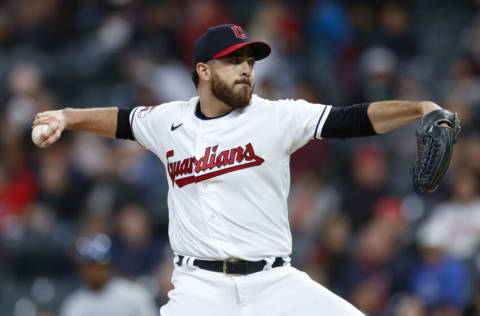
(41, 133)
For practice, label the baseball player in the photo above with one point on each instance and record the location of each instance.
(226, 153)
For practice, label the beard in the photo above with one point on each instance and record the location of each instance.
(227, 94)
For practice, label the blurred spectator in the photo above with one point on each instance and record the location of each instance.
(377, 69)
(330, 25)
(441, 281)
(198, 17)
(94, 222)
(362, 19)
(409, 306)
(33, 247)
(305, 89)
(468, 153)
(410, 87)
(275, 23)
(59, 188)
(17, 185)
(474, 47)
(309, 203)
(134, 252)
(455, 224)
(395, 29)
(107, 188)
(328, 38)
(28, 95)
(390, 211)
(104, 294)
(462, 84)
(329, 259)
(369, 170)
(377, 269)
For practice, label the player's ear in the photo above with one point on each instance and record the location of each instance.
(203, 71)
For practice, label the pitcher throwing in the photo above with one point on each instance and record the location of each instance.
(227, 156)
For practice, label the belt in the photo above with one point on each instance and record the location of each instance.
(233, 265)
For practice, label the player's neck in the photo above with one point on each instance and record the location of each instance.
(210, 106)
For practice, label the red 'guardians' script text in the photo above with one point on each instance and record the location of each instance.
(224, 162)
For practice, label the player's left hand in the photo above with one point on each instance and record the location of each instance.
(436, 133)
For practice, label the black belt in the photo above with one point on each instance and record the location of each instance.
(232, 265)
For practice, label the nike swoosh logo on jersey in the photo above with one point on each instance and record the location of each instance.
(175, 127)
(226, 161)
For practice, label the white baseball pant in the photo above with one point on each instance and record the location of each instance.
(281, 291)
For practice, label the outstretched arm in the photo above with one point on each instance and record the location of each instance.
(101, 121)
(374, 118)
(386, 116)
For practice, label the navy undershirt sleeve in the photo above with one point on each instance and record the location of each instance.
(124, 130)
(348, 121)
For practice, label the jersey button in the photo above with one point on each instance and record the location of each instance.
(212, 216)
(204, 185)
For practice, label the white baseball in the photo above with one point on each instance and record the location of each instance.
(40, 133)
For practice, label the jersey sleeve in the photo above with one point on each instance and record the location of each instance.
(300, 121)
(146, 123)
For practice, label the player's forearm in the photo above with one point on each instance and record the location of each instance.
(101, 121)
(386, 116)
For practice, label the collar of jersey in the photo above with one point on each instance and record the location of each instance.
(200, 115)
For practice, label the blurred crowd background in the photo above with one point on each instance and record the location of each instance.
(358, 227)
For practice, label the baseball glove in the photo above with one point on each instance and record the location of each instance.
(435, 146)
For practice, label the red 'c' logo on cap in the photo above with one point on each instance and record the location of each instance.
(239, 32)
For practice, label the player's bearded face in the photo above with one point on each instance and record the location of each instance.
(236, 95)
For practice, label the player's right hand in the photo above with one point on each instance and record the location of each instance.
(55, 120)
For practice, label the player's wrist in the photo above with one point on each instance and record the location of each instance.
(68, 117)
(427, 107)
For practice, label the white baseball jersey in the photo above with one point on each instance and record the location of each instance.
(229, 177)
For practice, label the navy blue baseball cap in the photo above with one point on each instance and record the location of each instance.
(221, 40)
